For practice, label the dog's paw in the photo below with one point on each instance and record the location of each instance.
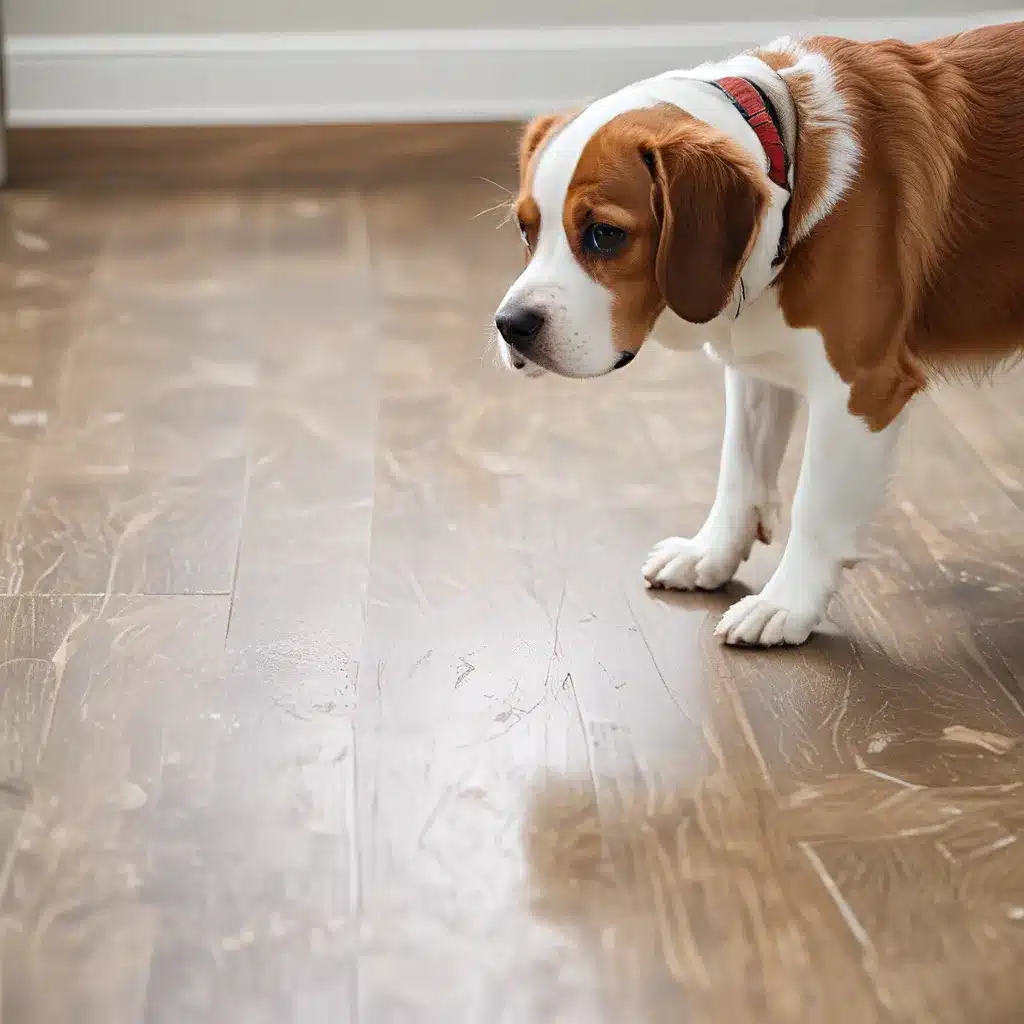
(681, 563)
(760, 621)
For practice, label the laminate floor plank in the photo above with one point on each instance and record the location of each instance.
(49, 247)
(456, 709)
(97, 689)
(137, 486)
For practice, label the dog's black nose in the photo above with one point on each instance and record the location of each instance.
(520, 327)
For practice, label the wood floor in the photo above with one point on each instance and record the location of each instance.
(331, 692)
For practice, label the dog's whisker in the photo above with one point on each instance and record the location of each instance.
(507, 191)
(509, 217)
(493, 348)
(503, 205)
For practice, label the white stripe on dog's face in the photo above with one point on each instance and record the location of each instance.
(577, 339)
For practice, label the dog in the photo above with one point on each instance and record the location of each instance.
(838, 222)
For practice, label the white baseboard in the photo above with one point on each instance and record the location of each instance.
(460, 75)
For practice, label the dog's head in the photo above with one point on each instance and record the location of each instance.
(623, 216)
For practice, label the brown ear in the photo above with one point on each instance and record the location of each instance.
(709, 199)
(535, 133)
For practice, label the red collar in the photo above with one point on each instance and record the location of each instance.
(759, 113)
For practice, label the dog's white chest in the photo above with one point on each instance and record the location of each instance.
(760, 343)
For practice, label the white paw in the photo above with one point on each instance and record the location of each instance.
(760, 621)
(681, 563)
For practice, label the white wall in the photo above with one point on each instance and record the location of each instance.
(144, 62)
(74, 17)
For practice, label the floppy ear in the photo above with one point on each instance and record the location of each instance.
(709, 199)
(535, 133)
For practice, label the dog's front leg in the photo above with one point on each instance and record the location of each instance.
(843, 480)
(758, 422)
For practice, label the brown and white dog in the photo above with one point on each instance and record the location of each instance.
(837, 220)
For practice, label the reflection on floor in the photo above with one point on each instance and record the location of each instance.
(331, 691)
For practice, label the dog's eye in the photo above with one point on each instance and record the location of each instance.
(603, 239)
